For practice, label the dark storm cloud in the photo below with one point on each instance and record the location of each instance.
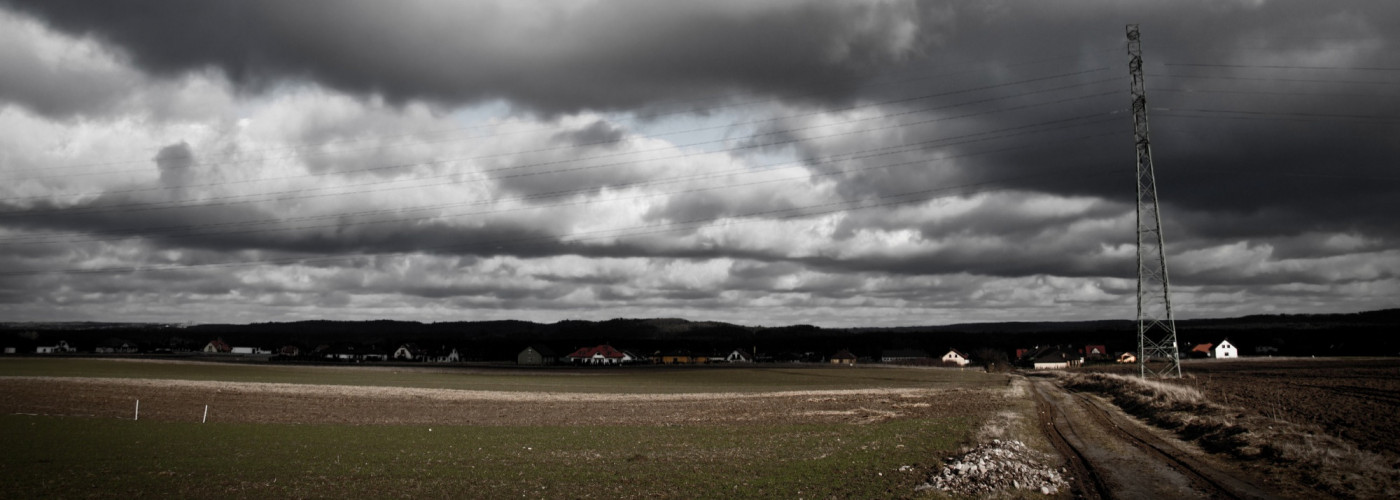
(548, 56)
(1261, 147)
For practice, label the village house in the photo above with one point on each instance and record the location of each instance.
(1127, 357)
(843, 357)
(217, 345)
(1095, 352)
(1201, 350)
(409, 352)
(1226, 350)
(60, 348)
(955, 357)
(536, 355)
(600, 355)
(739, 356)
(444, 354)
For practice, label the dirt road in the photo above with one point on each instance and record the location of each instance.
(1112, 455)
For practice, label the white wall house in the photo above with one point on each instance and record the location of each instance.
(1226, 350)
(955, 357)
(61, 347)
(738, 356)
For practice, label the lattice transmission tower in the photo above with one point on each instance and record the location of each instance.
(1157, 350)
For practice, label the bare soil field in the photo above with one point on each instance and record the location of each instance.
(1355, 399)
(250, 402)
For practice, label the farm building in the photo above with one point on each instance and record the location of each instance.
(217, 345)
(904, 356)
(536, 355)
(1055, 358)
(1226, 350)
(1127, 357)
(955, 357)
(289, 351)
(600, 355)
(681, 357)
(1201, 350)
(843, 357)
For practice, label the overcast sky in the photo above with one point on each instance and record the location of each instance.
(854, 163)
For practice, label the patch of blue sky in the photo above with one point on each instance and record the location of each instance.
(724, 132)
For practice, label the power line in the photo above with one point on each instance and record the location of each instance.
(1267, 92)
(1284, 66)
(1277, 115)
(1272, 80)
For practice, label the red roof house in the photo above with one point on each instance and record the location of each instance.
(600, 355)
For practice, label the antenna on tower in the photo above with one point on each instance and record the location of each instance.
(1157, 350)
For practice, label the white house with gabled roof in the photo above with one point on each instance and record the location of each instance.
(1226, 350)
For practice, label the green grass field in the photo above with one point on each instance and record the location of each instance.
(68, 457)
(72, 457)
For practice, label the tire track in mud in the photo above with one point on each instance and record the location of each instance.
(1085, 481)
(1114, 456)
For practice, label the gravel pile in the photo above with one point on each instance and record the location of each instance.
(999, 466)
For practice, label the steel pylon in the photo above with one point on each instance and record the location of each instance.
(1157, 350)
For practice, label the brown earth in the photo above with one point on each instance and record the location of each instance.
(1356, 400)
(184, 401)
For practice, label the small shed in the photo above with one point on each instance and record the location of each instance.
(536, 355)
(1226, 350)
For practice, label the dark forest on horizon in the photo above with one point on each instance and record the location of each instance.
(1356, 334)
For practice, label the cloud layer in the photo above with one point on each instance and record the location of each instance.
(852, 163)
